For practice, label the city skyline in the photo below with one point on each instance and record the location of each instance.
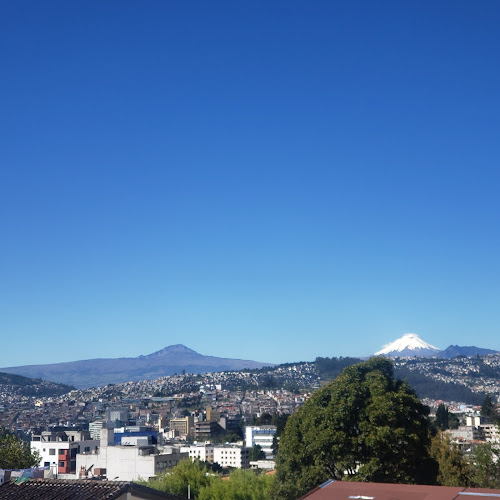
(269, 181)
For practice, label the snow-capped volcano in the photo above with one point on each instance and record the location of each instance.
(410, 344)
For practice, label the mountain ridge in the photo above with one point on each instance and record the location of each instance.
(104, 371)
(453, 351)
(411, 345)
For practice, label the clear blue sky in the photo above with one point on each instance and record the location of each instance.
(263, 180)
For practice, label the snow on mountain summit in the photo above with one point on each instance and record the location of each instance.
(410, 344)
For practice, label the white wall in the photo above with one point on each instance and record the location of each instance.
(124, 463)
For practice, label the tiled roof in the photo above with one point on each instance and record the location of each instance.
(67, 489)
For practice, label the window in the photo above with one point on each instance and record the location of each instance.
(52, 451)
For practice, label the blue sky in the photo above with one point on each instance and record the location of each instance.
(262, 180)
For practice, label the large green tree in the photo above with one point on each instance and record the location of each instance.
(442, 417)
(453, 468)
(15, 453)
(485, 466)
(488, 408)
(363, 426)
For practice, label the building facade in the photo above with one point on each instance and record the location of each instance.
(231, 455)
(58, 450)
(127, 462)
(263, 435)
(204, 452)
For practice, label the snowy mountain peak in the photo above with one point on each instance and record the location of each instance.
(410, 344)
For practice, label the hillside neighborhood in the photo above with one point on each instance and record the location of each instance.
(219, 418)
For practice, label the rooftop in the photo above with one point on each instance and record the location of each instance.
(346, 490)
(63, 489)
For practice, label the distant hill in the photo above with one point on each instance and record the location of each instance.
(454, 350)
(427, 387)
(25, 386)
(99, 372)
(424, 385)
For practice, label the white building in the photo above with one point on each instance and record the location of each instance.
(59, 449)
(204, 452)
(127, 463)
(263, 464)
(231, 455)
(95, 429)
(262, 435)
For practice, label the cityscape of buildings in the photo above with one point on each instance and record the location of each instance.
(139, 429)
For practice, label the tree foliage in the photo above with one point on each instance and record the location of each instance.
(363, 426)
(442, 417)
(329, 368)
(488, 408)
(453, 468)
(242, 485)
(186, 473)
(485, 466)
(277, 419)
(15, 453)
(205, 485)
(256, 453)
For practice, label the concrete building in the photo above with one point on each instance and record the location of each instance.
(206, 430)
(212, 414)
(59, 448)
(231, 455)
(490, 433)
(95, 429)
(474, 420)
(127, 462)
(262, 435)
(182, 425)
(263, 464)
(203, 452)
(117, 414)
(465, 433)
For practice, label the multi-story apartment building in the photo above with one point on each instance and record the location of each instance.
(231, 455)
(206, 430)
(58, 449)
(204, 452)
